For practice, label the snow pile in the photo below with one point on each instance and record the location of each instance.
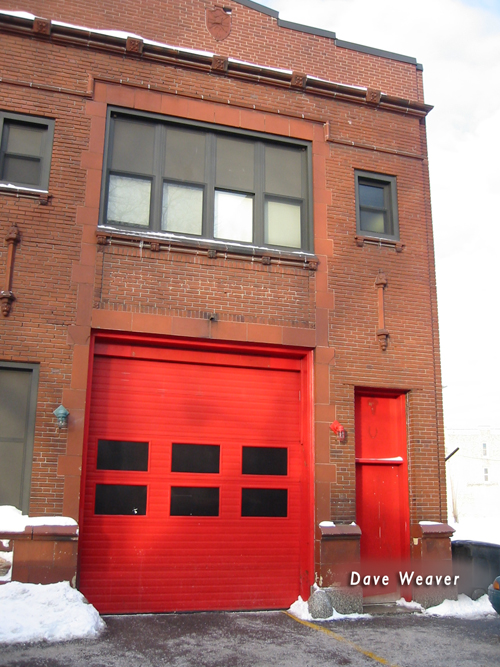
(478, 530)
(52, 612)
(409, 605)
(300, 610)
(464, 607)
(13, 520)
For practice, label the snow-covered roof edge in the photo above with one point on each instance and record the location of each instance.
(121, 39)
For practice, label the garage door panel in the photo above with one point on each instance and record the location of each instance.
(159, 562)
(220, 397)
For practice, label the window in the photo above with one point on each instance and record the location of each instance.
(205, 182)
(195, 458)
(120, 499)
(122, 455)
(376, 205)
(485, 449)
(26, 150)
(486, 475)
(264, 461)
(264, 502)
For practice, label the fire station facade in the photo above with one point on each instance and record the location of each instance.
(218, 258)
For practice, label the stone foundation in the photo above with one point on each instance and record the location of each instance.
(41, 554)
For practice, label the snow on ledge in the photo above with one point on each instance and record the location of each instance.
(429, 523)
(21, 15)
(13, 520)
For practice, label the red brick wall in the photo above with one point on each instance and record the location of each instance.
(178, 284)
(254, 37)
(65, 284)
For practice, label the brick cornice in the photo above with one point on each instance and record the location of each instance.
(66, 34)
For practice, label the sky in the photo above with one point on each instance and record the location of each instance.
(458, 44)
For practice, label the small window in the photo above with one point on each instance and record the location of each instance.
(25, 150)
(264, 461)
(376, 205)
(203, 181)
(485, 449)
(264, 502)
(122, 455)
(486, 475)
(195, 458)
(194, 501)
(123, 499)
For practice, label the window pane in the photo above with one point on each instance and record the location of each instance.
(21, 170)
(185, 155)
(284, 171)
(371, 195)
(182, 209)
(133, 146)
(264, 502)
(24, 139)
(128, 200)
(235, 164)
(233, 217)
(122, 455)
(283, 224)
(372, 221)
(194, 501)
(195, 458)
(120, 499)
(264, 461)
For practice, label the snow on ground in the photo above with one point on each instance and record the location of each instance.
(300, 610)
(57, 612)
(51, 612)
(464, 607)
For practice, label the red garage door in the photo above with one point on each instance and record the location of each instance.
(196, 490)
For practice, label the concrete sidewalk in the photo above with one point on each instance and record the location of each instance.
(264, 639)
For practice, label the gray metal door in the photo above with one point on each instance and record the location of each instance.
(18, 391)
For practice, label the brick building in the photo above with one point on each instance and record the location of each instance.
(217, 242)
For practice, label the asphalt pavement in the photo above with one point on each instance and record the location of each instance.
(268, 639)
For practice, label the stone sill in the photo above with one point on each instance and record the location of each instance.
(348, 532)
(59, 533)
(207, 247)
(374, 240)
(42, 196)
(432, 530)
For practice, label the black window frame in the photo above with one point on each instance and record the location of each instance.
(7, 118)
(389, 186)
(260, 196)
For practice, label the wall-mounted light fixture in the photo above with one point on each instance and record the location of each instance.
(337, 428)
(62, 416)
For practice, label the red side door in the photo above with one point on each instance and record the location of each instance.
(382, 504)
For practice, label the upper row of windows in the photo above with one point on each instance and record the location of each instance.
(199, 181)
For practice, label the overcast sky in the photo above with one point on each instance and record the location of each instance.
(458, 43)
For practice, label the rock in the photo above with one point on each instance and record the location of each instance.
(346, 600)
(5, 566)
(319, 604)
